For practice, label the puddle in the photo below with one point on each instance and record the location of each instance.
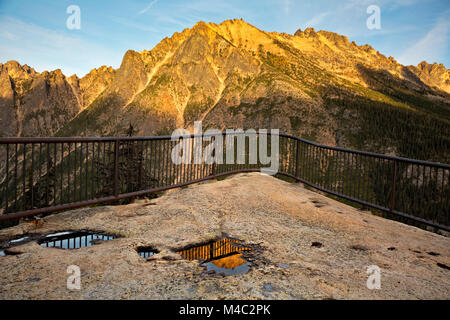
(74, 239)
(230, 265)
(6, 252)
(222, 257)
(59, 234)
(11, 243)
(19, 241)
(146, 252)
(15, 241)
(63, 240)
(316, 244)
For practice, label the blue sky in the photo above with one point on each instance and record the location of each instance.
(35, 32)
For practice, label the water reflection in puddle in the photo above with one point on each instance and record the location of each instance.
(74, 240)
(146, 252)
(8, 244)
(23, 239)
(233, 264)
(223, 256)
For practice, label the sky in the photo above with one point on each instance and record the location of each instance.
(36, 33)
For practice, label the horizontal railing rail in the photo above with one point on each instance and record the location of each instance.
(44, 175)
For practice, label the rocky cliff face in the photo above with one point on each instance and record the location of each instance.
(91, 85)
(34, 104)
(318, 85)
(433, 74)
(39, 104)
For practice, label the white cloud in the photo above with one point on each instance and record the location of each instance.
(180, 21)
(132, 24)
(314, 21)
(7, 35)
(393, 5)
(287, 6)
(186, 14)
(431, 48)
(148, 7)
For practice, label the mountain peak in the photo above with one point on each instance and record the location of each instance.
(15, 70)
(234, 21)
(434, 66)
(299, 32)
(233, 74)
(335, 37)
(200, 25)
(13, 64)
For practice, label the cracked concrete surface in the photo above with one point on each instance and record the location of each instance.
(305, 246)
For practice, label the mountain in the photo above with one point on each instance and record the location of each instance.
(317, 85)
(39, 104)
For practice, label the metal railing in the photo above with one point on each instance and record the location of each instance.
(43, 175)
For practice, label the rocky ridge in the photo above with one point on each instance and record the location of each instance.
(314, 84)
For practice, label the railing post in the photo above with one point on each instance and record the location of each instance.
(297, 160)
(213, 170)
(211, 250)
(394, 179)
(140, 155)
(116, 167)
